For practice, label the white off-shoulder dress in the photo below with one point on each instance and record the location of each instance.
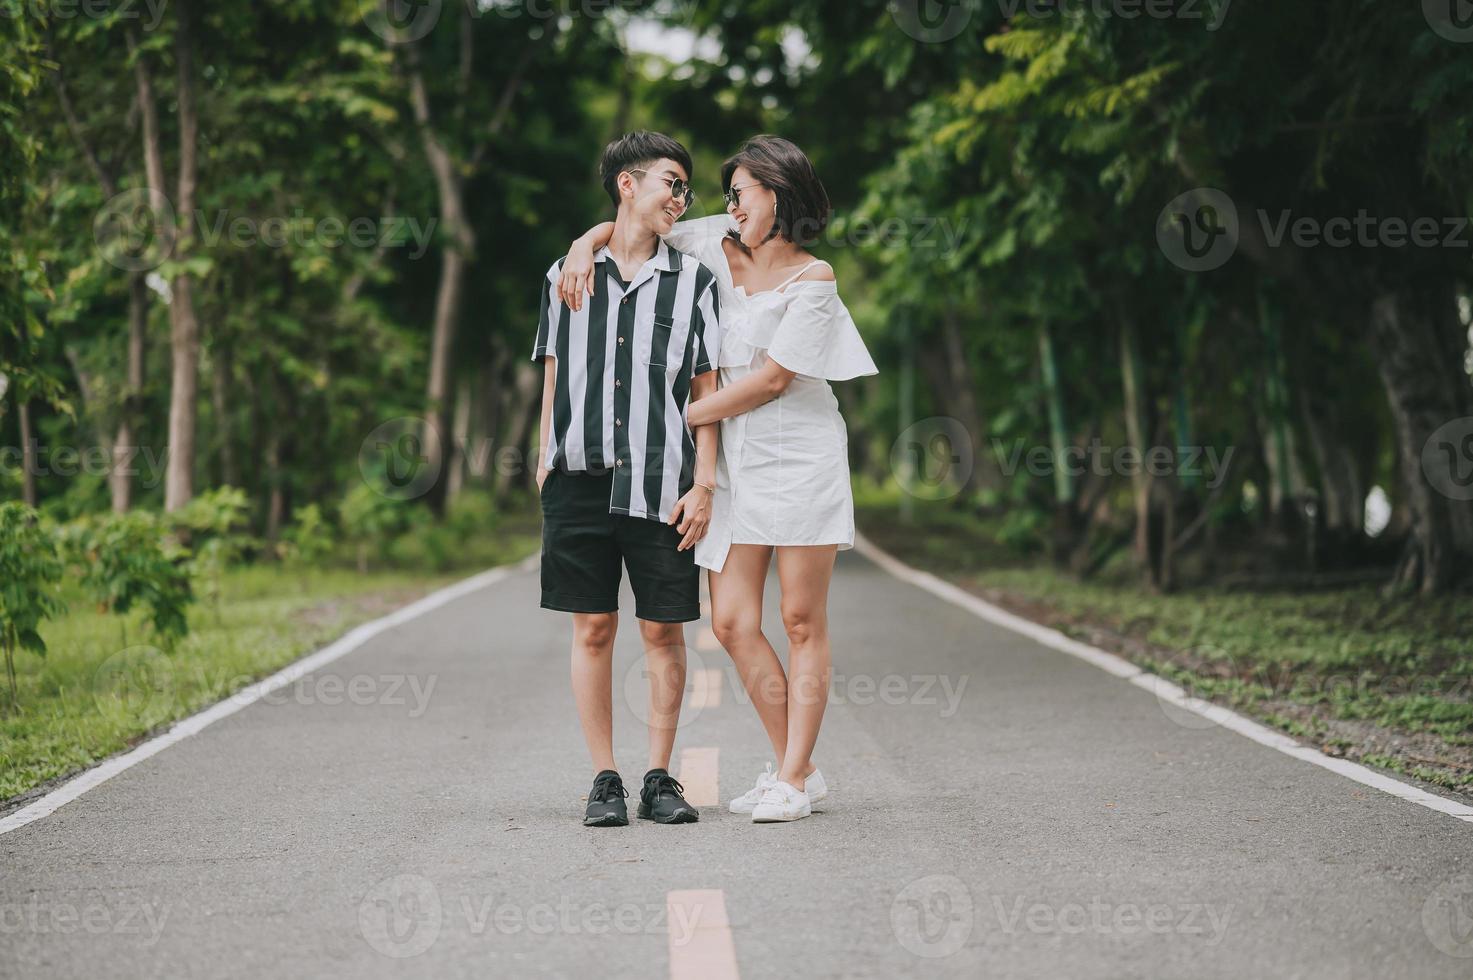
(782, 474)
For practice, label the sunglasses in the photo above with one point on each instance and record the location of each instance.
(678, 186)
(734, 195)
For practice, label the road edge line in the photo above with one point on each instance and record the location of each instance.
(1157, 685)
(251, 693)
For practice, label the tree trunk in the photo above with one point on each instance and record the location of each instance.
(275, 499)
(27, 450)
(125, 443)
(496, 395)
(451, 171)
(1427, 388)
(1132, 382)
(522, 418)
(437, 414)
(1342, 493)
(949, 401)
(459, 247)
(1062, 540)
(220, 362)
(459, 441)
(985, 473)
(184, 327)
(121, 449)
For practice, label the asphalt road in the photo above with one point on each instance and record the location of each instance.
(999, 809)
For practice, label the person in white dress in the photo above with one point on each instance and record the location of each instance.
(782, 474)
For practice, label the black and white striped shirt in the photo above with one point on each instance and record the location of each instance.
(625, 363)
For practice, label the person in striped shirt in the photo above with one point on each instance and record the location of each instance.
(623, 480)
(782, 482)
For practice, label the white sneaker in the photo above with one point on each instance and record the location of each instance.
(814, 786)
(782, 803)
(748, 801)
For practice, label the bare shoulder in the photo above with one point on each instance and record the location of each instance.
(820, 271)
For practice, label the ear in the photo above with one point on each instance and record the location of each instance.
(626, 184)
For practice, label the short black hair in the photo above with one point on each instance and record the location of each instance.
(803, 208)
(639, 149)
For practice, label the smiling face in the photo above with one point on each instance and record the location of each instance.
(648, 195)
(755, 211)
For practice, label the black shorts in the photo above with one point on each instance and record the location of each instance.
(583, 545)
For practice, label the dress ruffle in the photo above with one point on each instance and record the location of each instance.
(816, 336)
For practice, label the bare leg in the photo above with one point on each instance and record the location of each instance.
(804, 572)
(593, 683)
(736, 619)
(664, 662)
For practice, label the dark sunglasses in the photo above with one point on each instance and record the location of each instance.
(734, 195)
(678, 187)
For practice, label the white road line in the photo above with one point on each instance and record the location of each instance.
(195, 723)
(701, 946)
(1160, 686)
(698, 775)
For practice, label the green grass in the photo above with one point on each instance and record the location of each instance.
(103, 685)
(1343, 654)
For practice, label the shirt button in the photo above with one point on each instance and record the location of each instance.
(624, 300)
(618, 383)
(618, 421)
(618, 462)
(621, 340)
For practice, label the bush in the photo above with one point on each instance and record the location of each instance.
(308, 540)
(129, 560)
(372, 519)
(29, 572)
(214, 524)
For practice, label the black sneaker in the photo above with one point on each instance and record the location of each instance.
(606, 802)
(660, 800)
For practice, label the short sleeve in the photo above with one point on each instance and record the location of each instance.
(549, 319)
(698, 236)
(705, 331)
(817, 337)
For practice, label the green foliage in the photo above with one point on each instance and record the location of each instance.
(308, 540)
(128, 561)
(1027, 159)
(214, 523)
(371, 519)
(30, 570)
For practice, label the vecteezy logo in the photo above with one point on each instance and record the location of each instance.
(136, 683)
(1447, 459)
(1198, 231)
(402, 21)
(640, 683)
(135, 230)
(931, 21)
(932, 916)
(1447, 917)
(400, 916)
(401, 458)
(1450, 19)
(933, 458)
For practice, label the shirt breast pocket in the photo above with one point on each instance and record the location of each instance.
(667, 343)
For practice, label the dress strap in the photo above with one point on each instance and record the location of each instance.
(795, 276)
